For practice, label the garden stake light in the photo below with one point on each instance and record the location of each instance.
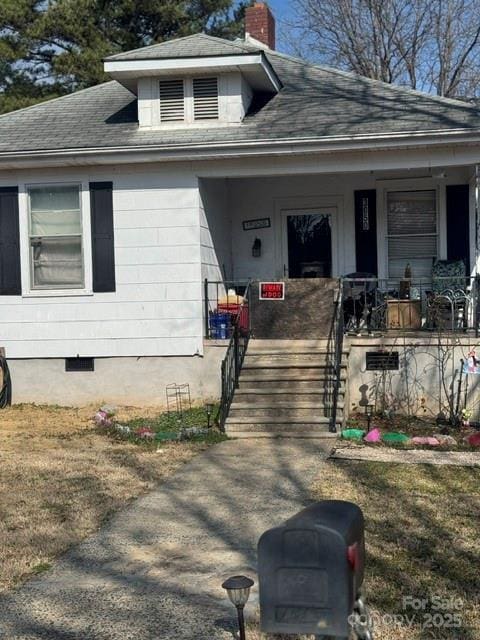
(209, 410)
(238, 590)
(369, 414)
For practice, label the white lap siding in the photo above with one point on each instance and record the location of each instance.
(156, 309)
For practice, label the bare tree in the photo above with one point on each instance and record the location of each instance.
(424, 44)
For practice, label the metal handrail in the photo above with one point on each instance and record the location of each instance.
(338, 334)
(233, 361)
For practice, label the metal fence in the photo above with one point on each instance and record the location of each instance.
(447, 303)
(222, 300)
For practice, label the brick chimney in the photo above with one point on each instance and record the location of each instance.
(260, 24)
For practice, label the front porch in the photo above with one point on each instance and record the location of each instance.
(379, 268)
(338, 224)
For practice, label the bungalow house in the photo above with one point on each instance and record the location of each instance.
(128, 211)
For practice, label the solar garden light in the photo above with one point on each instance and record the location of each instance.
(238, 590)
(369, 413)
(209, 409)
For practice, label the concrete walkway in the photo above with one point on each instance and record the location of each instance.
(155, 571)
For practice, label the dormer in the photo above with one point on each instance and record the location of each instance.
(197, 81)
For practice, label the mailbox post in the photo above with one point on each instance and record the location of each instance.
(311, 571)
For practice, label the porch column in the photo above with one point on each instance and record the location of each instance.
(477, 220)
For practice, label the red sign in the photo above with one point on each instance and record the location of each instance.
(272, 291)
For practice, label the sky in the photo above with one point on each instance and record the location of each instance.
(281, 8)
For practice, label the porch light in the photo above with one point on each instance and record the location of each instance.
(209, 410)
(369, 413)
(238, 591)
(257, 248)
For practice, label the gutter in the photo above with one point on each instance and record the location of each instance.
(259, 147)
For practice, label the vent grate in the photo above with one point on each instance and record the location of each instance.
(79, 364)
(205, 98)
(382, 361)
(172, 102)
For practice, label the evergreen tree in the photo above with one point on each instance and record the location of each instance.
(50, 47)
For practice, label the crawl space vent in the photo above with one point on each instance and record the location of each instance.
(79, 364)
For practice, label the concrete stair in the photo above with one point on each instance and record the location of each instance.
(286, 389)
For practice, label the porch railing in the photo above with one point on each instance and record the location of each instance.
(337, 336)
(222, 299)
(449, 303)
(233, 361)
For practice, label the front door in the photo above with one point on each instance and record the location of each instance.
(307, 243)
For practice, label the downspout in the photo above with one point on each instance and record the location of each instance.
(477, 207)
(477, 257)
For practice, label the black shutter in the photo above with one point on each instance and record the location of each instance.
(10, 280)
(103, 246)
(366, 231)
(458, 225)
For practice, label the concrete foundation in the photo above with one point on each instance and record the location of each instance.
(427, 380)
(123, 381)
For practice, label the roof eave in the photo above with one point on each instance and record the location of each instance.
(126, 71)
(244, 149)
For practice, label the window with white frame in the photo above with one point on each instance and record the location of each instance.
(55, 237)
(189, 100)
(412, 233)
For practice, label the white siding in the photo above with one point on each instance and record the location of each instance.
(234, 99)
(215, 230)
(157, 307)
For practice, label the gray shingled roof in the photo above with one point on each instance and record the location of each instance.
(189, 47)
(314, 102)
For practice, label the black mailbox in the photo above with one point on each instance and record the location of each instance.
(311, 569)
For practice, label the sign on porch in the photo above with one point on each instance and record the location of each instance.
(271, 291)
(259, 223)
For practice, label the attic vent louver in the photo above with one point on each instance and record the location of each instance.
(172, 104)
(205, 98)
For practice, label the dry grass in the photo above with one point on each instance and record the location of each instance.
(422, 540)
(60, 479)
(422, 532)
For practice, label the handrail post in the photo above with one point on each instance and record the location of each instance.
(236, 354)
(207, 309)
(337, 350)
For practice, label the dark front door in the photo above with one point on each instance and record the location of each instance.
(309, 244)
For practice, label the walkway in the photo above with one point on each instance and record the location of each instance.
(154, 572)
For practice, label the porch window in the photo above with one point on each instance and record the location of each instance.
(412, 236)
(55, 237)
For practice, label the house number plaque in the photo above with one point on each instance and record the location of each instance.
(260, 223)
(272, 291)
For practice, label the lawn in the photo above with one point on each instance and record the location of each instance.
(61, 478)
(422, 535)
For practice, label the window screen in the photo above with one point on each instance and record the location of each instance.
(55, 226)
(205, 98)
(172, 101)
(411, 232)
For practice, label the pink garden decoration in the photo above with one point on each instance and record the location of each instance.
(426, 441)
(146, 433)
(375, 435)
(474, 440)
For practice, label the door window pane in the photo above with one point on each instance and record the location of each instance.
(309, 246)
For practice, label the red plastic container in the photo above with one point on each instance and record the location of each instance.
(233, 309)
